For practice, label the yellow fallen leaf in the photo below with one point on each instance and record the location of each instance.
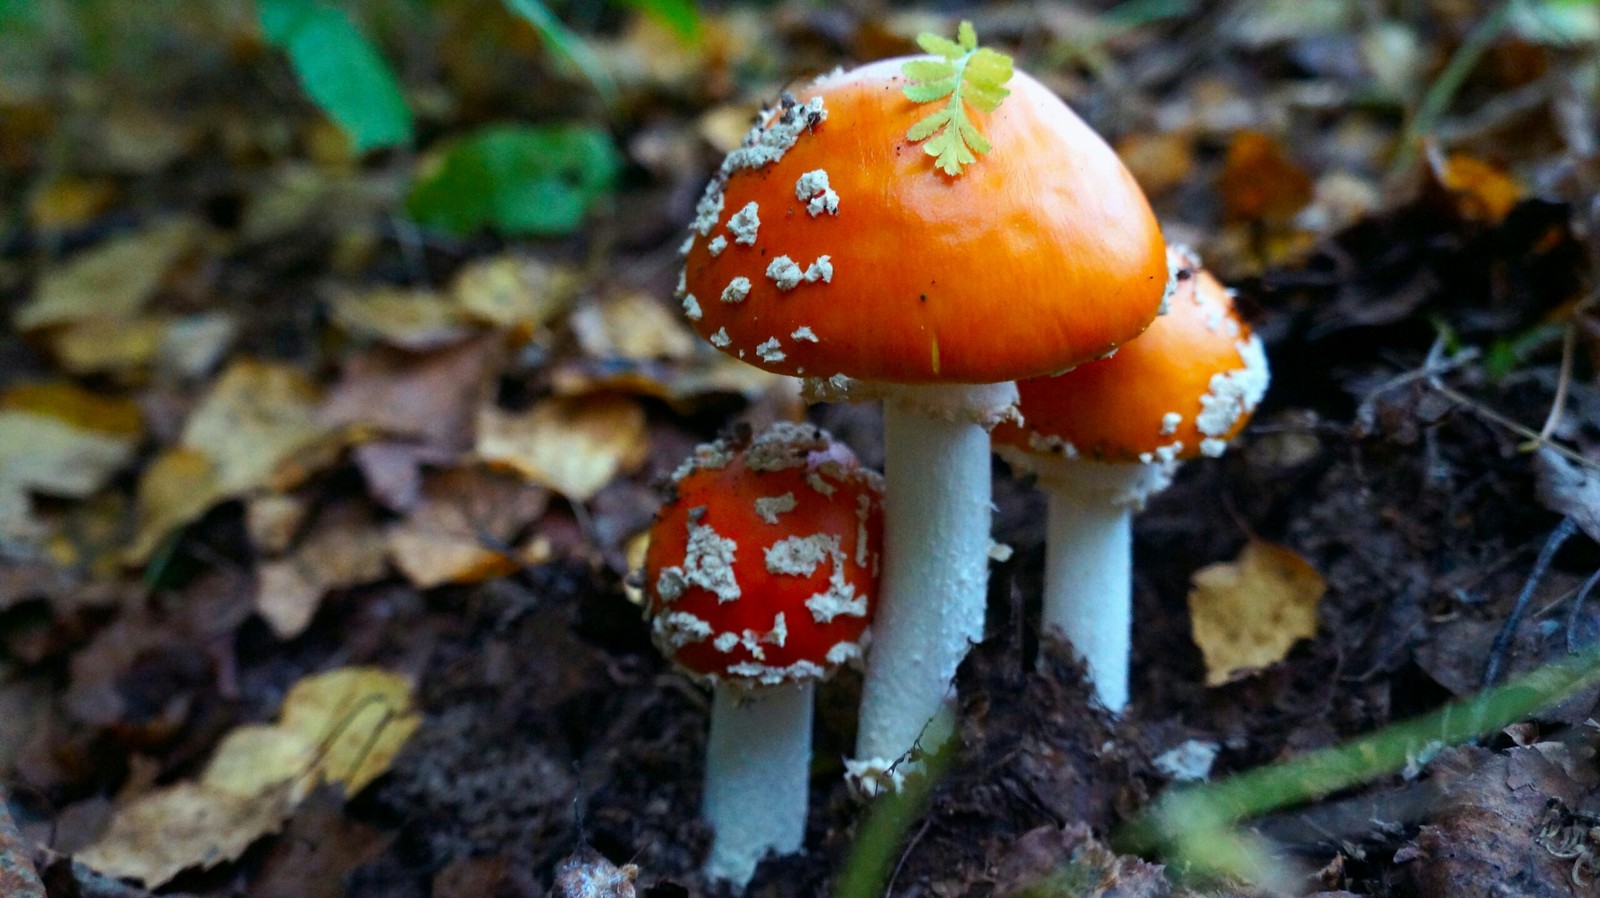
(162, 833)
(77, 407)
(409, 319)
(573, 445)
(111, 281)
(358, 717)
(1481, 191)
(632, 326)
(257, 428)
(58, 440)
(69, 202)
(1247, 613)
(515, 293)
(259, 757)
(98, 345)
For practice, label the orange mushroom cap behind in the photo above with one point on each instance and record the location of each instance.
(830, 244)
(764, 565)
(1184, 388)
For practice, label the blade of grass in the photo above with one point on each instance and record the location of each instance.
(1443, 89)
(567, 44)
(1181, 813)
(867, 870)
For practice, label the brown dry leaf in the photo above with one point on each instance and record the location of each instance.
(273, 520)
(633, 326)
(162, 833)
(1481, 192)
(1159, 162)
(461, 530)
(724, 127)
(409, 319)
(256, 429)
(515, 293)
(1247, 613)
(573, 445)
(431, 397)
(112, 281)
(99, 345)
(137, 139)
(318, 852)
(342, 551)
(1259, 181)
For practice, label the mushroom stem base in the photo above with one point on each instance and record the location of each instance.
(1088, 591)
(758, 768)
(935, 572)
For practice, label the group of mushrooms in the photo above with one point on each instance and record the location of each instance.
(828, 248)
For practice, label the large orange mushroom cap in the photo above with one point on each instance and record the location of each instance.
(1184, 388)
(830, 244)
(763, 566)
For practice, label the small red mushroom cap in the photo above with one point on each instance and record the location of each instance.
(763, 566)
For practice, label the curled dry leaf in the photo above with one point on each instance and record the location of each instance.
(429, 397)
(462, 529)
(517, 294)
(573, 445)
(632, 326)
(1247, 613)
(1259, 181)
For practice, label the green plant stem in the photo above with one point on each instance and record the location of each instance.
(1443, 89)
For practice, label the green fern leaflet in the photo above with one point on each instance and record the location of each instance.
(965, 73)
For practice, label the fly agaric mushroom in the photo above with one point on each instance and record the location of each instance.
(828, 246)
(1106, 435)
(760, 574)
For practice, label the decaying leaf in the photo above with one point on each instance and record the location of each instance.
(461, 530)
(425, 396)
(409, 319)
(514, 293)
(574, 446)
(632, 326)
(341, 552)
(1259, 181)
(112, 281)
(1481, 191)
(1247, 613)
(249, 433)
(59, 440)
(162, 833)
(343, 727)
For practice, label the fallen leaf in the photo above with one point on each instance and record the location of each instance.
(98, 345)
(260, 757)
(574, 445)
(393, 471)
(69, 202)
(1247, 613)
(318, 852)
(358, 717)
(162, 833)
(409, 319)
(1482, 192)
(1159, 161)
(1259, 181)
(514, 292)
(632, 326)
(430, 397)
(462, 529)
(253, 430)
(59, 440)
(273, 520)
(342, 551)
(112, 281)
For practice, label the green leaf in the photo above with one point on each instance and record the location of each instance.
(680, 16)
(967, 74)
(567, 44)
(927, 93)
(929, 70)
(938, 46)
(517, 179)
(340, 70)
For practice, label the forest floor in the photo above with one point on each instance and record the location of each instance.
(271, 452)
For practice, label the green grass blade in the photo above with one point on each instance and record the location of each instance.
(567, 44)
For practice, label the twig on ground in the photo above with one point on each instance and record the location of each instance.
(1502, 641)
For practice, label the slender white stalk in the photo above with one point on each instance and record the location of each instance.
(1088, 559)
(1088, 591)
(758, 770)
(935, 575)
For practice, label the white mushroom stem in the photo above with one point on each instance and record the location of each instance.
(935, 567)
(1088, 562)
(758, 771)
